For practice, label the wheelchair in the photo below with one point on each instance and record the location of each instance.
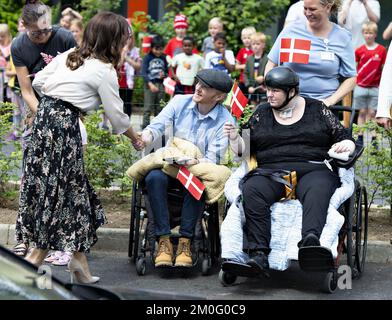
(352, 238)
(142, 240)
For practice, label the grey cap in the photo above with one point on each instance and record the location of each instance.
(216, 79)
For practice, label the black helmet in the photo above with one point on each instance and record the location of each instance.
(282, 78)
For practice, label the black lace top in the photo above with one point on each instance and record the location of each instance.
(309, 139)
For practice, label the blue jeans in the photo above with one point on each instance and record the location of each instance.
(157, 184)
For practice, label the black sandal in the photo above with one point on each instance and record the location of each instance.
(20, 249)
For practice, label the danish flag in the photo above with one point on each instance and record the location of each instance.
(169, 85)
(238, 101)
(190, 182)
(294, 50)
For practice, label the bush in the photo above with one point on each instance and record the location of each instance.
(107, 156)
(9, 163)
(374, 168)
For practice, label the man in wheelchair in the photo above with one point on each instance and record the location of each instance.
(199, 119)
(297, 135)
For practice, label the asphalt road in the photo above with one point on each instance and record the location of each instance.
(118, 274)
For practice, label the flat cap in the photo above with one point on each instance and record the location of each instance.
(216, 79)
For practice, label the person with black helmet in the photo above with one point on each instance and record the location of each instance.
(199, 119)
(289, 133)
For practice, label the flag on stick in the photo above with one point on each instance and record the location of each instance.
(169, 85)
(190, 182)
(238, 101)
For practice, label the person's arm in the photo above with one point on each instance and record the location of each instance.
(342, 16)
(108, 91)
(72, 12)
(247, 74)
(136, 64)
(383, 115)
(237, 144)
(372, 15)
(164, 119)
(27, 89)
(270, 65)
(387, 34)
(228, 59)
(341, 138)
(345, 87)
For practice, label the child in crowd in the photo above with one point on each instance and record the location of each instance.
(220, 58)
(243, 54)
(187, 64)
(254, 68)
(370, 59)
(174, 46)
(215, 25)
(77, 30)
(132, 64)
(154, 70)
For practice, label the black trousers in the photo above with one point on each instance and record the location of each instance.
(126, 96)
(316, 184)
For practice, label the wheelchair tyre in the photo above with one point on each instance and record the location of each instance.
(141, 266)
(330, 282)
(226, 279)
(206, 267)
(136, 217)
(360, 228)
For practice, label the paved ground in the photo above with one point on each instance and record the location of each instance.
(118, 274)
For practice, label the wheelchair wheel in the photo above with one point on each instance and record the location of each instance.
(360, 229)
(135, 222)
(206, 266)
(330, 282)
(141, 266)
(226, 279)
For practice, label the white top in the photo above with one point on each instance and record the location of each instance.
(385, 89)
(296, 12)
(356, 16)
(187, 67)
(214, 60)
(92, 84)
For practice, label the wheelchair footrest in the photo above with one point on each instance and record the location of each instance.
(239, 269)
(315, 259)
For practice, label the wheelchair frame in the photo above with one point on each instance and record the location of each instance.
(142, 239)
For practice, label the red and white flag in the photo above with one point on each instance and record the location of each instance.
(190, 182)
(238, 101)
(294, 50)
(169, 85)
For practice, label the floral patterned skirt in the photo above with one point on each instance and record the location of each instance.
(58, 208)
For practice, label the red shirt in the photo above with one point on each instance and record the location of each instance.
(241, 57)
(370, 64)
(122, 82)
(174, 46)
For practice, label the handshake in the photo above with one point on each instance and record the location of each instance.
(141, 140)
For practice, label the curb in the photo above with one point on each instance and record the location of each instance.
(116, 239)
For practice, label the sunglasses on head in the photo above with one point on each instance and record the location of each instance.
(37, 33)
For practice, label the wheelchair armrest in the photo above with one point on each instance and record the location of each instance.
(352, 158)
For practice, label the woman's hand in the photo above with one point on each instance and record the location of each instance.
(344, 146)
(230, 131)
(384, 122)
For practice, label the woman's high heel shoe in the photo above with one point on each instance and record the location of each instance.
(79, 274)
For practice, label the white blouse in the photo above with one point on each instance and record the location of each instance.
(92, 84)
(385, 90)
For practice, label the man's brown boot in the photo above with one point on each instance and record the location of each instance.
(184, 254)
(165, 252)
